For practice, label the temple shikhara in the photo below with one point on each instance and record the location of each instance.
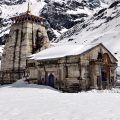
(68, 68)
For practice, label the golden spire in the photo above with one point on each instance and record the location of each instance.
(29, 9)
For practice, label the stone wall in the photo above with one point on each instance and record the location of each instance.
(64, 79)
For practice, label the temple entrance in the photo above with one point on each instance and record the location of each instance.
(105, 71)
(104, 79)
(104, 76)
(51, 79)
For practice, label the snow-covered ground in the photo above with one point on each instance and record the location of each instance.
(21, 101)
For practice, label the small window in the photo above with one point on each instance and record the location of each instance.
(66, 71)
(30, 64)
(100, 56)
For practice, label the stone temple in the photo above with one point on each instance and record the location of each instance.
(28, 53)
(27, 36)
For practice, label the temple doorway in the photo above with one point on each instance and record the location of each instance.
(105, 77)
(105, 72)
(51, 79)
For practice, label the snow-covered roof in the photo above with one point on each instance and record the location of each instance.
(60, 51)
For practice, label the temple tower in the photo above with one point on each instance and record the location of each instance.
(27, 36)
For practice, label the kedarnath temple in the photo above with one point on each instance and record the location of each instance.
(68, 68)
(27, 36)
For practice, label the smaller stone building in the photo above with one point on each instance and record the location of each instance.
(73, 68)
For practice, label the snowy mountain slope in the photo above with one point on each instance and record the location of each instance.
(60, 14)
(103, 27)
(21, 101)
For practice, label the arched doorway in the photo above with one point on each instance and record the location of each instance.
(51, 79)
